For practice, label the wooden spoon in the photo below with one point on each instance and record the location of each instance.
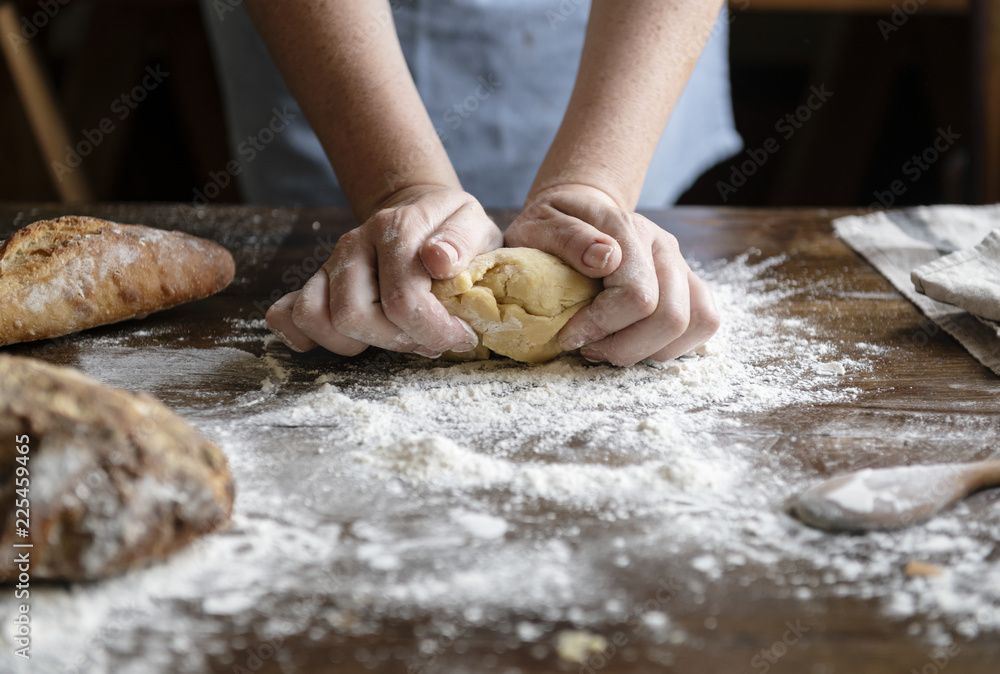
(890, 498)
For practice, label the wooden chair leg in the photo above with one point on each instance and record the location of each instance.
(40, 106)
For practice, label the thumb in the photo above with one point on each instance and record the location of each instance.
(582, 246)
(466, 233)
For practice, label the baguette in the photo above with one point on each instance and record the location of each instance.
(62, 276)
(112, 480)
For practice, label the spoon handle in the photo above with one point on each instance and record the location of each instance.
(987, 474)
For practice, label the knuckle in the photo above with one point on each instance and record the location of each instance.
(456, 236)
(674, 318)
(521, 232)
(383, 218)
(668, 243)
(301, 314)
(641, 298)
(706, 321)
(346, 320)
(386, 225)
(600, 320)
(306, 321)
(395, 305)
(404, 311)
(596, 323)
(349, 240)
(627, 221)
(344, 249)
(620, 223)
(575, 238)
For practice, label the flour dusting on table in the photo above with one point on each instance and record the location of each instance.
(396, 487)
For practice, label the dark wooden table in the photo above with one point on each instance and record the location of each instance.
(908, 403)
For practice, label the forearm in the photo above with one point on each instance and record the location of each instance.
(353, 85)
(637, 57)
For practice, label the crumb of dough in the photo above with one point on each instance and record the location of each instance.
(577, 645)
(924, 569)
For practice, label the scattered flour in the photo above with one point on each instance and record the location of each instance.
(831, 369)
(394, 488)
(855, 495)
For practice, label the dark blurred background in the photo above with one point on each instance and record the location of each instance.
(898, 74)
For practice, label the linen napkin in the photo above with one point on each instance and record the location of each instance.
(898, 242)
(969, 278)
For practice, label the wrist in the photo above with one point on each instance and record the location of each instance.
(596, 180)
(546, 192)
(396, 194)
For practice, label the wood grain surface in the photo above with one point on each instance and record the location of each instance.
(907, 405)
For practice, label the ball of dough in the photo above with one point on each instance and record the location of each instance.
(518, 299)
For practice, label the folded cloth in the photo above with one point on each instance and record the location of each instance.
(897, 242)
(969, 278)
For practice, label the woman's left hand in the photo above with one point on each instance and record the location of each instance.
(653, 305)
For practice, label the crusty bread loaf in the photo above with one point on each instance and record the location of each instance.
(114, 479)
(61, 276)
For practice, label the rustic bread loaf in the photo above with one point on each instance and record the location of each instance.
(114, 479)
(61, 276)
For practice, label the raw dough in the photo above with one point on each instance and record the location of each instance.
(518, 299)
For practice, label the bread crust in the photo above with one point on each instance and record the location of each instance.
(73, 273)
(115, 479)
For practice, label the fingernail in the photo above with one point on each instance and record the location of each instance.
(448, 250)
(284, 340)
(572, 342)
(473, 338)
(592, 355)
(597, 255)
(427, 353)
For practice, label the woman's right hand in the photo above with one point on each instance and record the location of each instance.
(375, 290)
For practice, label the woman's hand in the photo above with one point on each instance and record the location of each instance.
(652, 306)
(375, 290)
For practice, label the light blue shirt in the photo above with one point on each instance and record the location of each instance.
(495, 77)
